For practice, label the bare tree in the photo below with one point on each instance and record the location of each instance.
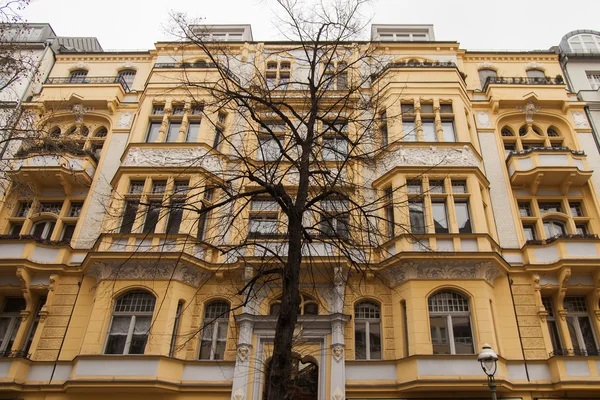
(297, 154)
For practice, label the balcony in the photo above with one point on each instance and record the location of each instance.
(547, 166)
(562, 247)
(52, 167)
(515, 88)
(416, 64)
(98, 91)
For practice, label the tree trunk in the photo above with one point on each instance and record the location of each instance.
(281, 362)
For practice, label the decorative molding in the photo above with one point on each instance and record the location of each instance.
(78, 111)
(338, 394)
(243, 352)
(174, 157)
(529, 109)
(563, 281)
(148, 270)
(483, 119)
(337, 351)
(80, 65)
(486, 64)
(125, 120)
(438, 269)
(533, 64)
(580, 120)
(429, 156)
(239, 394)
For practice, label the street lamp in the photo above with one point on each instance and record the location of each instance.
(488, 359)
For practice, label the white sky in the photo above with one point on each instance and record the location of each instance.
(476, 24)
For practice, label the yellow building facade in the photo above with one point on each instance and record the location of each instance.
(109, 284)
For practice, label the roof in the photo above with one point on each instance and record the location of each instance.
(79, 44)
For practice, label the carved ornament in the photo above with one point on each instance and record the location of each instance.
(243, 352)
(337, 351)
(183, 157)
(442, 270)
(148, 270)
(430, 156)
(580, 120)
(338, 394)
(483, 120)
(239, 394)
(125, 120)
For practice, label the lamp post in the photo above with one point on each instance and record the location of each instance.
(488, 359)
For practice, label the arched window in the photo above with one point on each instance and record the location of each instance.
(214, 331)
(308, 306)
(553, 227)
(43, 229)
(131, 322)
(523, 130)
(101, 132)
(55, 132)
(450, 324)
(78, 76)
(507, 132)
(585, 43)
(484, 74)
(552, 132)
(367, 331)
(10, 320)
(128, 76)
(580, 326)
(304, 379)
(72, 130)
(535, 73)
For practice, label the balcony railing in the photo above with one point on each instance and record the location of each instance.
(89, 80)
(566, 236)
(518, 80)
(415, 64)
(546, 149)
(14, 354)
(574, 352)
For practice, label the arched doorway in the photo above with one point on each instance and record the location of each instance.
(304, 379)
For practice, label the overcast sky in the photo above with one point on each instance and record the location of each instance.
(476, 24)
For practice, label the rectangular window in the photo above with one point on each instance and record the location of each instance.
(202, 222)
(23, 210)
(439, 335)
(67, 233)
(594, 79)
(576, 209)
(196, 109)
(581, 229)
(263, 224)
(268, 149)
(389, 211)
(15, 228)
(159, 187)
(414, 187)
(429, 134)
(436, 187)
(463, 218)
(264, 205)
(529, 231)
(175, 216)
(459, 187)
(218, 137)
(426, 108)
(192, 133)
(548, 207)
(136, 187)
(153, 130)
(173, 132)
(445, 108)
(440, 216)
(409, 130)
(178, 110)
(152, 214)
(407, 108)
(51, 207)
(335, 148)
(181, 187)
(448, 127)
(158, 109)
(525, 209)
(417, 217)
(129, 216)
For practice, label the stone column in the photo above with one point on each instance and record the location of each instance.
(241, 373)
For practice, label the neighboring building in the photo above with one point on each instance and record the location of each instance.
(103, 292)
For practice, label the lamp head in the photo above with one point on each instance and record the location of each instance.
(488, 358)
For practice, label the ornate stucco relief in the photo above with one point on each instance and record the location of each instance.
(429, 156)
(406, 270)
(178, 157)
(150, 270)
(483, 120)
(125, 120)
(580, 120)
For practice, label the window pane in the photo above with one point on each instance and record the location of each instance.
(153, 132)
(417, 217)
(427, 108)
(173, 132)
(175, 216)
(118, 335)
(554, 336)
(571, 321)
(192, 134)
(448, 127)
(439, 335)
(140, 335)
(375, 340)
(440, 218)
(463, 219)
(429, 131)
(409, 130)
(360, 340)
(529, 232)
(463, 339)
(152, 216)
(68, 231)
(129, 216)
(588, 335)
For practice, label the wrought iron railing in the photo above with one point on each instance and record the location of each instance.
(14, 354)
(565, 236)
(574, 352)
(545, 149)
(518, 80)
(89, 80)
(414, 64)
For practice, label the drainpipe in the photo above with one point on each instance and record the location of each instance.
(510, 283)
(66, 329)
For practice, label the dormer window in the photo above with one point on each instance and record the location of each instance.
(585, 43)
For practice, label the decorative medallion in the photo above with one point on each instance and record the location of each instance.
(125, 120)
(483, 120)
(243, 352)
(337, 351)
(580, 120)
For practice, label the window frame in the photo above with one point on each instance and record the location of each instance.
(215, 322)
(367, 323)
(449, 314)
